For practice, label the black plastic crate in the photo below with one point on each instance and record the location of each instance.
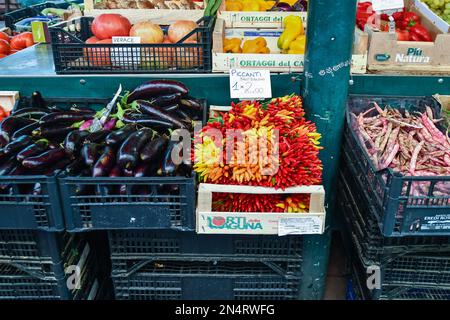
(408, 266)
(169, 203)
(145, 244)
(399, 212)
(73, 56)
(392, 292)
(11, 18)
(19, 284)
(364, 229)
(20, 208)
(174, 280)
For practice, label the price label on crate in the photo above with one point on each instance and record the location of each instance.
(124, 56)
(250, 84)
(303, 225)
(383, 5)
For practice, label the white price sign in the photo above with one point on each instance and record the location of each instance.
(250, 84)
(382, 5)
(304, 225)
(126, 57)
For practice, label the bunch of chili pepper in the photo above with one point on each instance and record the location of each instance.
(240, 202)
(288, 157)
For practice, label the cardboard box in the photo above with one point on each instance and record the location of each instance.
(388, 54)
(255, 19)
(211, 222)
(275, 61)
(158, 16)
(421, 7)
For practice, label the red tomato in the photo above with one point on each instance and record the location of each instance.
(98, 56)
(22, 41)
(4, 47)
(109, 25)
(3, 55)
(4, 36)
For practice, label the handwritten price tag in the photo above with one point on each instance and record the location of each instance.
(250, 84)
(382, 5)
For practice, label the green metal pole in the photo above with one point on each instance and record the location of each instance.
(329, 34)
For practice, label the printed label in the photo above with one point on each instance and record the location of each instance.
(303, 225)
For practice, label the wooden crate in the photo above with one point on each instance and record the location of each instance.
(255, 19)
(158, 16)
(433, 17)
(213, 222)
(275, 61)
(8, 99)
(386, 54)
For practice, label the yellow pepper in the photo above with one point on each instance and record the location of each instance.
(250, 5)
(298, 45)
(234, 5)
(293, 27)
(257, 45)
(232, 45)
(269, 4)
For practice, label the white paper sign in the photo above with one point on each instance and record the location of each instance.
(126, 57)
(381, 5)
(250, 84)
(303, 225)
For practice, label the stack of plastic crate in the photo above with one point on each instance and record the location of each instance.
(38, 258)
(397, 253)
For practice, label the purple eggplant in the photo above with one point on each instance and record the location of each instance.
(168, 166)
(90, 153)
(159, 113)
(31, 113)
(74, 140)
(9, 126)
(282, 6)
(8, 166)
(44, 159)
(117, 137)
(37, 101)
(300, 5)
(128, 154)
(75, 167)
(156, 88)
(64, 117)
(154, 149)
(53, 132)
(32, 150)
(147, 121)
(190, 103)
(18, 144)
(27, 130)
(105, 163)
(97, 137)
(166, 100)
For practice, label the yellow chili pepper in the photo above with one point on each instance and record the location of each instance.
(257, 45)
(293, 28)
(298, 45)
(232, 45)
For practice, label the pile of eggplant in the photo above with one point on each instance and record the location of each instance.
(132, 140)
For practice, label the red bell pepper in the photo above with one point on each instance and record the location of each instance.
(402, 35)
(408, 20)
(419, 33)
